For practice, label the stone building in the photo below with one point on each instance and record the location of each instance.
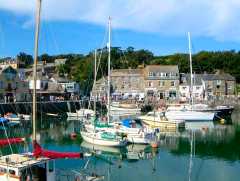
(219, 84)
(99, 90)
(12, 87)
(185, 86)
(127, 83)
(162, 81)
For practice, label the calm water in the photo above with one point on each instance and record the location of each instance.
(216, 158)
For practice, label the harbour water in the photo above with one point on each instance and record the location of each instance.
(215, 154)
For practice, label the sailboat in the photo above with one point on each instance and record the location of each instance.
(106, 137)
(189, 114)
(38, 165)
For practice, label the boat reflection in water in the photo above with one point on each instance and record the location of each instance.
(113, 155)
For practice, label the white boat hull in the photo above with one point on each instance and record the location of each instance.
(81, 113)
(92, 138)
(134, 135)
(137, 139)
(72, 114)
(189, 115)
(120, 111)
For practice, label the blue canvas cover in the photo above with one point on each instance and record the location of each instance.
(3, 120)
(127, 122)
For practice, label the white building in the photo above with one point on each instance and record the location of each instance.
(198, 87)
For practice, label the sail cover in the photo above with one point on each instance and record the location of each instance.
(4, 142)
(38, 152)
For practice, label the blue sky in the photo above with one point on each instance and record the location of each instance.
(78, 26)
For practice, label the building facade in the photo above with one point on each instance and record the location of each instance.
(198, 91)
(12, 87)
(127, 84)
(161, 81)
(219, 84)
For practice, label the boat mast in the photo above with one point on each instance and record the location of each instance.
(37, 27)
(95, 78)
(191, 74)
(109, 66)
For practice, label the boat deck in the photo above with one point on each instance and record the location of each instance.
(20, 160)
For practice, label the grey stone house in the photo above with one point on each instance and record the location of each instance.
(219, 84)
(162, 80)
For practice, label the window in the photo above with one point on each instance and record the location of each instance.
(172, 74)
(163, 74)
(12, 172)
(150, 74)
(150, 84)
(161, 83)
(172, 83)
(219, 82)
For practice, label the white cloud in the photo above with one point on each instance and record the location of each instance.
(214, 18)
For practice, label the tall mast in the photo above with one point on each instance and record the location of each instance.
(109, 67)
(37, 27)
(95, 78)
(190, 60)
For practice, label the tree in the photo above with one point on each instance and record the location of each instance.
(24, 60)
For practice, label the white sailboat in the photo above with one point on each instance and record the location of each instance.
(134, 131)
(189, 114)
(104, 137)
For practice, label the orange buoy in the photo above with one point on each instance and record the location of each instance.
(154, 144)
(73, 135)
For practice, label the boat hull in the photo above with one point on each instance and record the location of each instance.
(190, 115)
(91, 138)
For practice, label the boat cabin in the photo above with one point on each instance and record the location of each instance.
(19, 167)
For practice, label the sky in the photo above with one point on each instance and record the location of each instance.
(80, 26)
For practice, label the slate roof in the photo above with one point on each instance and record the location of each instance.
(162, 68)
(224, 76)
(197, 79)
(126, 72)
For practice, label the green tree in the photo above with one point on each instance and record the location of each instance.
(24, 60)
